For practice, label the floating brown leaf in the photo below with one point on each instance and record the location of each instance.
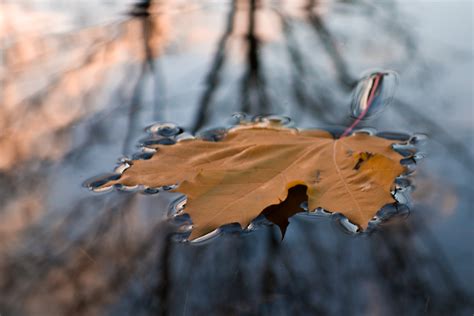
(253, 168)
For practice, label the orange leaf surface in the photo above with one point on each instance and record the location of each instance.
(253, 168)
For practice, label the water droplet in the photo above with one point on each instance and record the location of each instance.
(386, 212)
(97, 183)
(233, 228)
(168, 131)
(184, 136)
(402, 182)
(164, 129)
(319, 212)
(394, 136)
(213, 135)
(182, 223)
(125, 188)
(142, 155)
(186, 228)
(304, 206)
(373, 93)
(180, 236)
(403, 210)
(273, 120)
(366, 130)
(151, 191)
(258, 222)
(346, 225)
(402, 195)
(323, 212)
(418, 139)
(408, 161)
(181, 218)
(125, 159)
(176, 207)
(122, 167)
(373, 223)
(153, 141)
(207, 238)
(169, 187)
(419, 156)
(405, 150)
(240, 118)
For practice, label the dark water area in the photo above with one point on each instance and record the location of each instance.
(81, 81)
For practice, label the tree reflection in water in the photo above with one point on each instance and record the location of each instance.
(73, 101)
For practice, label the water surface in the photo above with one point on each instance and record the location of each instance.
(81, 81)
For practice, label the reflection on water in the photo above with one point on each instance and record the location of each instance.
(80, 82)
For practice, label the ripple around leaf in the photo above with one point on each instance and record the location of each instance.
(166, 134)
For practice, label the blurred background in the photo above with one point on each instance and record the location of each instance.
(79, 82)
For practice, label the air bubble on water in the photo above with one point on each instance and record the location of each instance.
(373, 93)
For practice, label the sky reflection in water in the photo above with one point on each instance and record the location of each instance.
(79, 83)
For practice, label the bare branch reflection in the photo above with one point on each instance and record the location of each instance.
(74, 99)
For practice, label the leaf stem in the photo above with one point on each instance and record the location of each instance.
(375, 84)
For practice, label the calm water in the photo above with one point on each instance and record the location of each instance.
(80, 82)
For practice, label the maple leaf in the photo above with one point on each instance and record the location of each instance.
(253, 168)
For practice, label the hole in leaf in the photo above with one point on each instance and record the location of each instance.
(280, 213)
